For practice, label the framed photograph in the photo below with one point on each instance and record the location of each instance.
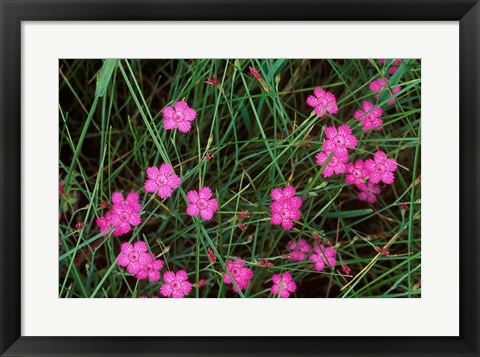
(239, 178)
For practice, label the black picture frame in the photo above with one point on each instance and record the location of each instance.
(467, 12)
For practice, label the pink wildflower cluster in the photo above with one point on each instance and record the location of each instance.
(323, 102)
(336, 145)
(162, 180)
(393, 67)
(123, 216)
(138, 262)
(379, 85)
(283, 285)
(176, 285)
(299, 250)
(367, 174)
(240, 274)
(285, 207)
(323, 256)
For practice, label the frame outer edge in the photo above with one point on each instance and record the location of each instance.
(10, 42)
(470, 177)
(10, 177)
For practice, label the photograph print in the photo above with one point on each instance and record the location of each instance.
(239, 178)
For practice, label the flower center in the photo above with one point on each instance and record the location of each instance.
(340, 140)
(123, 216)
(357, 173)
(162, 180)
(333, 161)
(175, 285)
(235, 272)
(202, 203)
(381, 168)
(285, 213)
(178, 116)
(322, 102)
(133, 256)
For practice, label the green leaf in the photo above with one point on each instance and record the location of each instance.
(104, 77)
(345, 214)
(277, 65)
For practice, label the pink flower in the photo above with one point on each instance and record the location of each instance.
(240, 274)
(356, 172)
(335, 165)
(368, 192)
(379, 85)
(369, 116)
(104, 223)
(323, 256)
(134, 257)
(176, 285)
(299, 249)
(200, 203)
(255, 73)
(150, 270)
(339, 141)
(285, 207)
(180, 117)
(208, 157)
(243, 214)
(322, 102)
(279, 194)
(265, 263)
(124, 213)
(381, 168)
(212, 82)
(162, 180)
(346, 269)
(211, 256)
(283, 285)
